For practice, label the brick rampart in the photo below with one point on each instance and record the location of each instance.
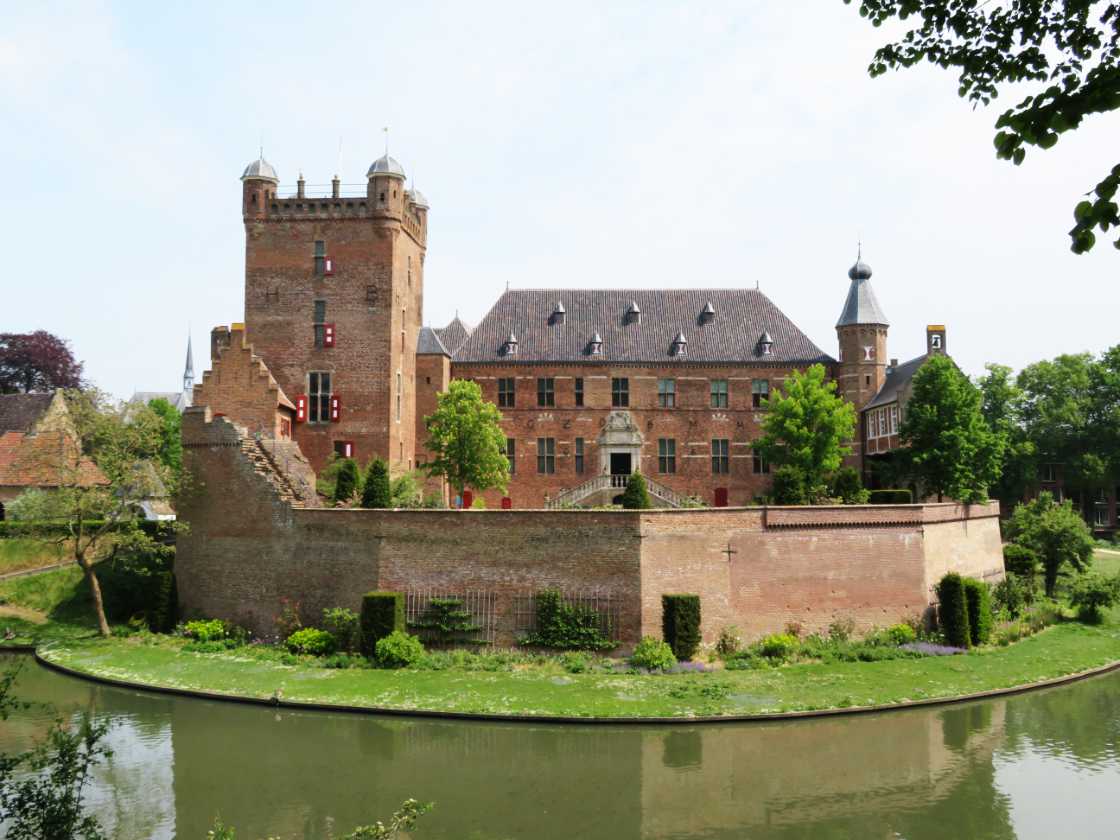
(756, 568)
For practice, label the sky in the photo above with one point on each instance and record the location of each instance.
(645, 144)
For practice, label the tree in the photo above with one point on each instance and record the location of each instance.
(100, 471)
(466, 440)
(346, 485)
(376, 493)
(1069, 47)
(848, 487)
(636, 495)
(949, 446)
(170, 437)
(806, 426)
(1054, 533)
(1001, 404)
(1056, 411)
(37, 361)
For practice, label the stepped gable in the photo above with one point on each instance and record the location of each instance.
(644, 326)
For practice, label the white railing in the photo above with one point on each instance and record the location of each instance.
(575, 495)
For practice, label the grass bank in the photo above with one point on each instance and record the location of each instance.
(18, 554)
(56, 618)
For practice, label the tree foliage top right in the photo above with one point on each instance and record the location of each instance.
(1068, 47)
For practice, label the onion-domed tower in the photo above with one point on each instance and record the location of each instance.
(862, 334)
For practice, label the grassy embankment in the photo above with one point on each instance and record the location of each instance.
(547, 689)
(20, 553)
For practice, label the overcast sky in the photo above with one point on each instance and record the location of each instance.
(648, 145)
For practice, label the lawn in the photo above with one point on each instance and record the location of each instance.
(20, 553)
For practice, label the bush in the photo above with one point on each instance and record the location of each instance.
(680, 624)
(205, 631)
(841, 629)
(382, 615)
(447, 622)
(1092, 593)
(565, 626)
(952, 613)
(779, 646)
(575, 662)
(848, 486)
(729, 641)
(653, 655)
(901, 634)
(376, 492)
(890, 497)
(788, 487)
(979, 600)
(398, 650)
(288, 620)
(310, 640)
(636, 496)
(1012, 595)
(342, 624)
(1020, 561)
(346, 485)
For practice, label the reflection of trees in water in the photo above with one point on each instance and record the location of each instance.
(1080, 721)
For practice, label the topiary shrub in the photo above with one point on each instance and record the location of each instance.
(377, 493)
(848, 486)
(342, 624)
(1093, 593)
(398, 650)
(979, 600)
(310, 640)
(952, 613)
(653, 655)
(890, 497)
(382, 614)
(636, 496)
(346, 485)
(680, 624)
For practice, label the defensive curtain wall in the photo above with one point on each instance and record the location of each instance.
(255, 539)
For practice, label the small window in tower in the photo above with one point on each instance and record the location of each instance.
(579, 391)
(320, 258)
(371, 295)
(381, 198)
(318, 322)
(867, 380)
(400, 387)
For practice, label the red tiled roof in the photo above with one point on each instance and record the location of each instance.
(47, 459)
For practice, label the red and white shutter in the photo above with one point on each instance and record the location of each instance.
(328, 266)
(336, 408)
(301, 408)
(328, 335)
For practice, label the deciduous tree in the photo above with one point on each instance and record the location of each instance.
(36, 361)
(466, 440)
(949, 445)
(1054, 533)
(1068, 48)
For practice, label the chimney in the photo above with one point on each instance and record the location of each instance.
(300, 184)
(335, 187)
(219, 340)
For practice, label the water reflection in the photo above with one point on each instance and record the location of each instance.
(973, 771)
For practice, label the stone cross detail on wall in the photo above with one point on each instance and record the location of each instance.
(729, 551)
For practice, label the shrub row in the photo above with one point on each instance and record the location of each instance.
(25, 528)
(890, 497)
(965, 611)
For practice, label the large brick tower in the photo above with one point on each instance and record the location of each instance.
(862, 335)
(333, 300)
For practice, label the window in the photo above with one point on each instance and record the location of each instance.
(719, 393)
(318, 321)
(1101, 515)
(761, 465)
(579, 391)
(882, 422)
(620, 393)
(892, 426)
(371, 296)
(760, 392)
(546, 391)
(410, 271)
(344, 448)
(1047, 472)
(318, 397)
(579, 455)
(721, 456)
(666, 455)
(511, 453)
(546, 456)
(320, 258)
(506, 395)
(667, 393)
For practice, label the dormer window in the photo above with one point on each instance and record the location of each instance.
(765, 344)
(633, 313)
(708, 313)
(595, 346)
(510, 347)
(559, 313)
(680, 345)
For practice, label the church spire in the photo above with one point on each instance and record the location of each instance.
(188, 371)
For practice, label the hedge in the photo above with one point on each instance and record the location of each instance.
(953, 611)
(680, 624)
(891, 497)
(382, 614)
(25, 528)
(979, 600)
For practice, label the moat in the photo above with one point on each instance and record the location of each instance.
(991, 769)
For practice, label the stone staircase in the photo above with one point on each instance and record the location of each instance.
(574, 496)
(274, 461)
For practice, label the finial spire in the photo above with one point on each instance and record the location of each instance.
(859, 250)
(386, 130)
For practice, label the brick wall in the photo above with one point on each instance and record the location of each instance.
(757, 568)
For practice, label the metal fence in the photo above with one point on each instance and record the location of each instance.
(607, 609)
(481, 606)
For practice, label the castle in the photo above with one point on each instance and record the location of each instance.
(592, 384)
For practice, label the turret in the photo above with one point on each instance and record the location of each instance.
(862, 335)
(385, 188)
(258, 189)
